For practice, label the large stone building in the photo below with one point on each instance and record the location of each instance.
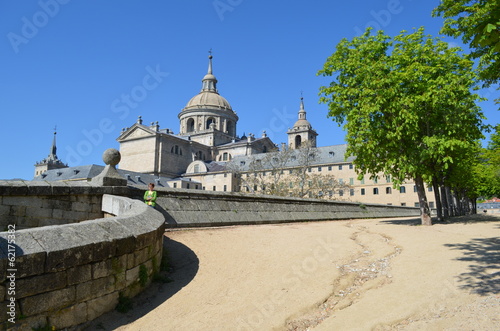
(207, 141)
(208, 154)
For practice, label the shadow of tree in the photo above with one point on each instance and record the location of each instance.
(484, 271)
(184, 264)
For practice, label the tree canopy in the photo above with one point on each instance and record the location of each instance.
(477, 22)
(406, 103)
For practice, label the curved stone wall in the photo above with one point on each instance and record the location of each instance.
(69, 274)
(187, 208)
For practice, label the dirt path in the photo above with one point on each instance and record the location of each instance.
(343, 275)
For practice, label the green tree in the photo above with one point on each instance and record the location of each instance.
(477, 22)
(487, 171)
(406, 104)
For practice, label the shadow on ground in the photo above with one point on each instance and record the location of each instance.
(184, 264)
(483, 276)
(467, 219)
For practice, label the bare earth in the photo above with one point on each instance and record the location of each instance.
(389, 274)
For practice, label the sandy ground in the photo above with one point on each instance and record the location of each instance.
(389, 274)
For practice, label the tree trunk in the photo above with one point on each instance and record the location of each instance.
(444, 202)
(451, 205)
(439, 207)
(425, 213)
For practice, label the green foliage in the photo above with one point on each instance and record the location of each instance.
(477, 22)
(124, 303)
(406, 104)
(487, 171)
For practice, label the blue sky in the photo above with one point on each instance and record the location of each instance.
(92, 67)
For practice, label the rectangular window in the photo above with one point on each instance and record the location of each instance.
(402, 189)
(375, 180)
(417, 204)
(414, 188)
(375, 190)
(215, 188)
(290, 171)
(363, 181)
(403, 204)
(340, 167)
(388, 179)
(329, 168)
(362, 191)
(351, 192)
(429, 189)
(431, 204)
(341, 181)
(341, 193)
(225, 188)
(319, 168)
(351, 166)
(225, 175)
(175, 185)
(309, 169)
(351, 181)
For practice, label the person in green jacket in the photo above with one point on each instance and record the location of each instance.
(150, 195)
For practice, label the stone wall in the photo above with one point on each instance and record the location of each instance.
(33, 204)
(69, 274)
(184, 208)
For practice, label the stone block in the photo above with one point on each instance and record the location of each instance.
(102, 269)
(131, 260)
(4, 211)
(95, 288)
(14, 187)
(40, 284)
(73, 315)
(61, 188)
(29, 255)
(81, 206)
(145, 239)
(57, 203)
(49, 301)
(98, 306)
(27, 323)
(18, 211)
(120, 280)
(65, 247)
(79, 274)
(143, 255)
(38, 212)
(132, 276)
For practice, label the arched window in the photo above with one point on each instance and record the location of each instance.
(196, 168)
(190, 125)
(298, 141)
(402, 189)
(230, 128)
(210, 121)
(264, 150)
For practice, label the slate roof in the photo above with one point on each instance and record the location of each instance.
(87, 172)
(334, 154)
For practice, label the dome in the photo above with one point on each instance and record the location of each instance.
(208, 100)
(302, 123)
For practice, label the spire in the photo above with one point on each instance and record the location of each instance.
(209, 81)
(302, 112)
(53, 149)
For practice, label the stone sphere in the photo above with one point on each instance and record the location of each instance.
(111, 156)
